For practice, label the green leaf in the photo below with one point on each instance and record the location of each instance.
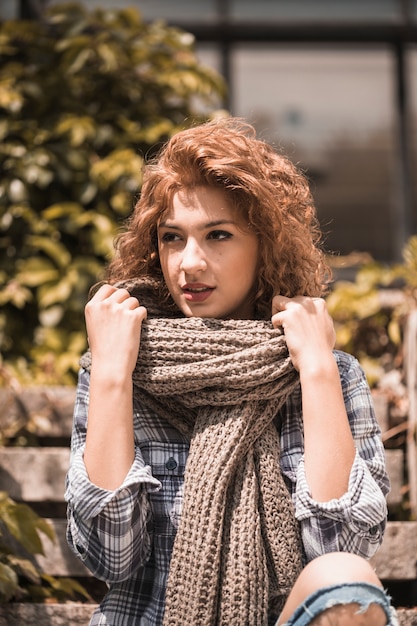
(57, 293)
(54, 249)
(79, 128)
(15, 294)
(108, 57)
(66, 587)
(36, 271)
(63, 209)
(394, 332)
(10, 98)
(9, 583)
(24, 567)
(118, 164)
(25, 526)
(80, 61)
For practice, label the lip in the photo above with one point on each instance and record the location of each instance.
(197, 292)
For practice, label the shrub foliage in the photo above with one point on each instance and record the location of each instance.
(369, 325)
(85, 97)
(21, 531)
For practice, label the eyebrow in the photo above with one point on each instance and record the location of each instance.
(203, 227)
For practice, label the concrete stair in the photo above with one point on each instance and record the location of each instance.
(36, 475)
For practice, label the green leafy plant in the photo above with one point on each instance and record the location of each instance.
(85, 97)
(370, 312)
(20, 579)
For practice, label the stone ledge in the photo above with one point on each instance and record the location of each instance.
(77, 614)
(34, 474)
(68, 614)
(396, 559)
(407, 617)
(48, 410)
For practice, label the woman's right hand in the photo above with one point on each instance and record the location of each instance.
(114, 321)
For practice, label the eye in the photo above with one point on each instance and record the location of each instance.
(169, 237)
(219, 235)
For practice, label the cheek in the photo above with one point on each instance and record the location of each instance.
(167, 262)
(251, 258)
(162, 259)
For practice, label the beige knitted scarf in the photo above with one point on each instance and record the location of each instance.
(237, 551)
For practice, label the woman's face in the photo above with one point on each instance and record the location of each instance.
(208, 258)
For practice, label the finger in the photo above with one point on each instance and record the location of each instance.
(131, 303)
(277, 321)
(119, 294)
(101, 292)
(143, 313)
(279, 303)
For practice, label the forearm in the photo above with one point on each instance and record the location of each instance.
(354, 522)
(114, 321)
(109, 449)
(329, 445)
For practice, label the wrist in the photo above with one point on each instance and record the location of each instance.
(110, 378)
(320, 367)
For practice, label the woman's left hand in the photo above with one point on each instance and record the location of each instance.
(308, 329)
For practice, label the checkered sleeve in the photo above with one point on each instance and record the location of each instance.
(107, 530)
(356, 521)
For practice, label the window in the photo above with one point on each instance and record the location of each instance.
(332, 111)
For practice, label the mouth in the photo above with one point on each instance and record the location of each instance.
(197, 293)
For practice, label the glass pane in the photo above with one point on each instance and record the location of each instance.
(302, 10)
(9, 10)
(209, 54)
(174, 12)
(261, 10)
(332, 111)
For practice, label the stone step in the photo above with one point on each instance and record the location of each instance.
(46, 411)
(34, 474)
(77, 614)
(45, 480)
(395, 560)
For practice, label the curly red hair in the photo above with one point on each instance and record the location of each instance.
(266, 187)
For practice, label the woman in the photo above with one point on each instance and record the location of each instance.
(227, 467)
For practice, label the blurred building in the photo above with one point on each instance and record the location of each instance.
(333, 83)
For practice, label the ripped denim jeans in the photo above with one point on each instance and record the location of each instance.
(363, 594)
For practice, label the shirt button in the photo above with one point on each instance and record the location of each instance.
(171, 464)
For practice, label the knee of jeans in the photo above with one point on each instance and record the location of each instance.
(362, 595)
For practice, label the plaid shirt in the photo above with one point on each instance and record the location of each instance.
(125, 537)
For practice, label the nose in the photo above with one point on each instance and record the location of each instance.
(193, 258)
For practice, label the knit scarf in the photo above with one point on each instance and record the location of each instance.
(237, 551)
